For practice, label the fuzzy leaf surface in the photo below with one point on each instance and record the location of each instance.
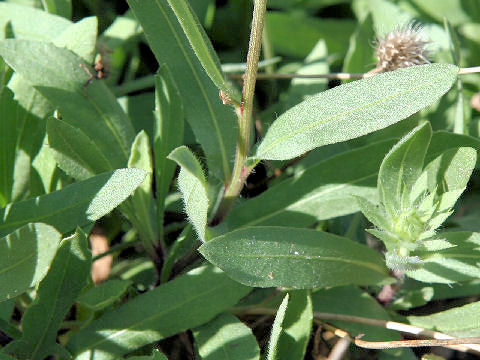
(355, 109)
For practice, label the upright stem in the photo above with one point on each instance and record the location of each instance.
(244, 113)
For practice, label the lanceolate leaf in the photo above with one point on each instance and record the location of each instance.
(226, 338)
(157, 314)
(25, 256)
(277, 329)
(202, 46)
(57, 73)
(320, 192)
(212, 122)
(56, 294)
(402, 166)
(294, 258)
(168, 133)
(355, 109)
(75, 205)
(192, 184)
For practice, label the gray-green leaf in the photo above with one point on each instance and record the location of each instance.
(355, 109)
(294, 258)
(277, 328)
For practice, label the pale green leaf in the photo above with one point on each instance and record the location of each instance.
(75, 205)
(168, 133)
(213, 123)
(226, 338)
(55, 295)
(192, 185)
(25, 255)
(294, 258)
(157, 314)
(355, 109)
(402, 167)
(58, 75)
(297, 326)
(81, 38)
(202, 46)
(462, 321)
(277, 329)
(359, 58)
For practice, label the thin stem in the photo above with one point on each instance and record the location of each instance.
(244, 113)
(469, 70)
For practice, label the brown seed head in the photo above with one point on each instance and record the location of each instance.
(403, 47)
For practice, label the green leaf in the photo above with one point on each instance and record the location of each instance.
(355, 109)
(360, 52)
(103, 295)
(277, 329)
(74, 151)
(157, 314)
(297, 326)
(202, 47)
(226, 338)
(157, 355)
(75, 205)
(59, 7)
(453, 264)
(184, 243)
(295, 258)
(444, 140)
(322, 191)
(462, 321)
(454, 9)
(193, 187)
(55, 295)
(81, 38)
(339, 300)
(402, 167)
(168, 133)
(213, 123)
(47, 26)
(58, 75)
(25, 256)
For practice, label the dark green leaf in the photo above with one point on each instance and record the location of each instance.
(355, 109)
(184, 243)
(55, 295)
(157, 314)
(193, 187)
(157, 355)
(168, 133)
(75, 205)
(402, 167)
(202, 46)
(25, 256)
(226, 338)
(277, 329)
(462, 321)
(297, 326)
(295, 258)
(103, 295)
(58, 75)
(320, 192)
(59, 7)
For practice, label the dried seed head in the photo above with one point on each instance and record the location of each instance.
(403, 47)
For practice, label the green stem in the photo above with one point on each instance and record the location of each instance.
(244, 113)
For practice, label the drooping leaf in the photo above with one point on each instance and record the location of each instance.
(58, 75)
(75, 205)
(402, 167)
(297, 326)
(159, 313)
(192, 184)
(462, 321)
(25, 255)
(202, 46)
(294, 258)
(213, 123)
(55, 295)
(59, 7)
(320, 192)
(355, 109)
(277, 329)
(226, 338)
(168, 133)
(103, 295)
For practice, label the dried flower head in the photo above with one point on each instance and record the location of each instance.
(403, 47)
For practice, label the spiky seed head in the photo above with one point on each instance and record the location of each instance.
(403, 47)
